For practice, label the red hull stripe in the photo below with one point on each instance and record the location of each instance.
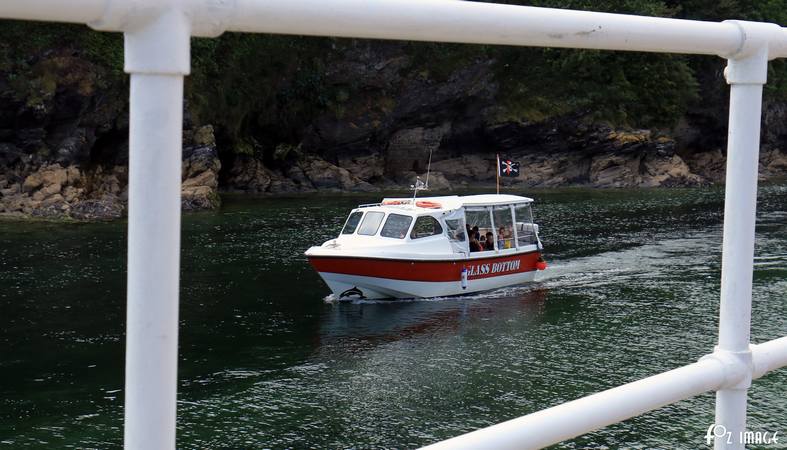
(399, 269)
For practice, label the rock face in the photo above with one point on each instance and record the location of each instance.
(64, 146)
(308, 174)
(324, 175)
(201, 166)
(602, 158)
(383, 138)
(76, 192)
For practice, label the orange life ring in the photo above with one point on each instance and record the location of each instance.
(427, 204)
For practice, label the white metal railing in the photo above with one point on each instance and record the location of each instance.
(157, 34)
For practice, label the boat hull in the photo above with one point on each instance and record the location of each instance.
(376, 278)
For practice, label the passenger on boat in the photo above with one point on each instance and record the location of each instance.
(503, 238)
(475, 246)
(477, 234)
(490, 241)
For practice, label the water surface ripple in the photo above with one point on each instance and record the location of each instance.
(632, 290)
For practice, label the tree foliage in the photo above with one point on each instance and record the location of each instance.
(257, 87)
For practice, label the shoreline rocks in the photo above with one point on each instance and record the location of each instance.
(55, 191)
(200, 171)
(610, 159)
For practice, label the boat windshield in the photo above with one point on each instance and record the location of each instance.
(352, 222)
(371, 223)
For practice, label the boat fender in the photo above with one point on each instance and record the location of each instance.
(541, 264)
(464, 277)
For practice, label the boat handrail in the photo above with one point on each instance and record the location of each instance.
(369, 205)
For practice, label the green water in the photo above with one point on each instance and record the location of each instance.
(264, 362)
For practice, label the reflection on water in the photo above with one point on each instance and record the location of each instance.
(632, 290)
(387, 320)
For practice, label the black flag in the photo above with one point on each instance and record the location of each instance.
(507, 168)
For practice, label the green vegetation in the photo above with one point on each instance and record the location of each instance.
(637, 89)
(21, 42)
(258, 85)
(263, 87)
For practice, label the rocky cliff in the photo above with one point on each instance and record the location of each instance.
(64, 145)
(382, 111)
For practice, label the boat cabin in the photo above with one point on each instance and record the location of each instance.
(465, 226)
(433, 246)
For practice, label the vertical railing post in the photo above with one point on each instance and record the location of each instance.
(157, 57)
(746, 76)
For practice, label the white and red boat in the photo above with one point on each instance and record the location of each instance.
(421, 247)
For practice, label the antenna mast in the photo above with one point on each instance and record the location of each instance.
(428, 168)
(420, 185)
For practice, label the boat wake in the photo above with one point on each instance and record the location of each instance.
(693, 255)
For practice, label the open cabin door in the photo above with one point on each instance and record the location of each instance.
(456, 230)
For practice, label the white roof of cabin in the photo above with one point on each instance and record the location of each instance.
(451, 202)
(493, 199)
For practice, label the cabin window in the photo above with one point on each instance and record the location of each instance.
(426, 226)
(352, 222)
(371, 223)
(526, 233)
(396, 226)
(479, 223)
(504, 227)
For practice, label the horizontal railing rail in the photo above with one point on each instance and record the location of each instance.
(424, 20)
(577, 417)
